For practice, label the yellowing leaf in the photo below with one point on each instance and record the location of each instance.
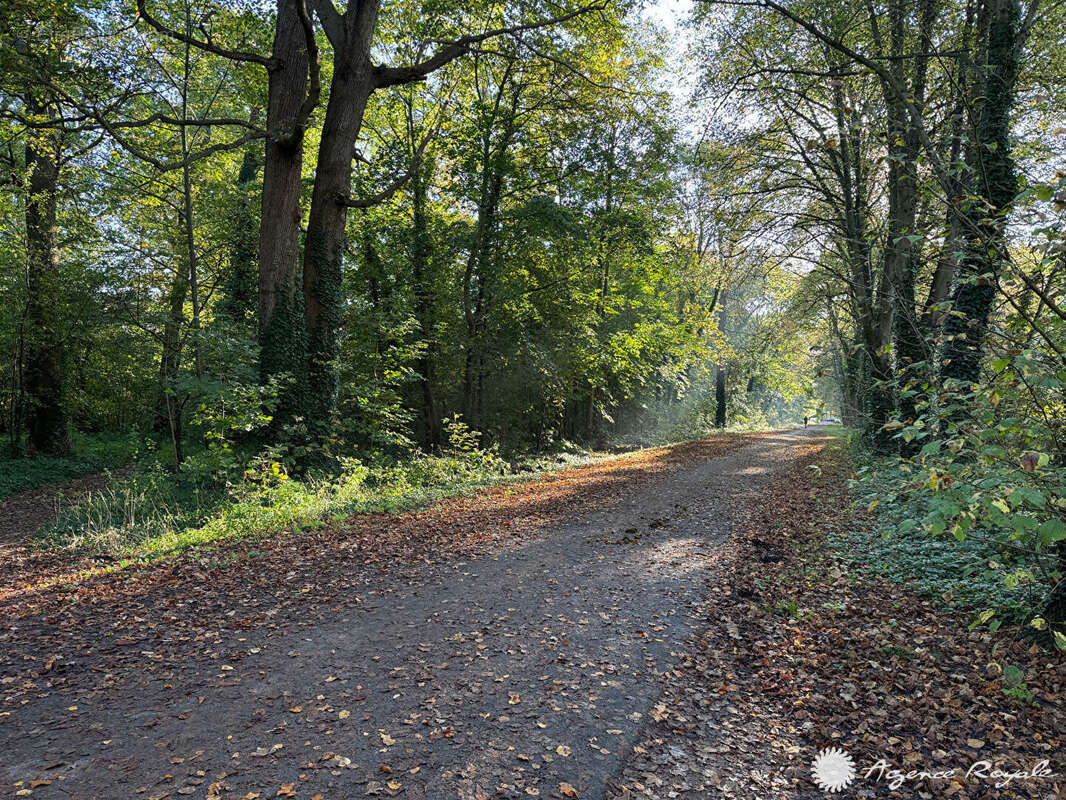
(566, 790)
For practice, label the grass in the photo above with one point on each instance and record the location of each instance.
(92, 453)
(153, 513)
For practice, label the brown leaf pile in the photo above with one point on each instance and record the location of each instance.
(799, 655)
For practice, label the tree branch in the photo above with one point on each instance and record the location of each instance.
(205, 45)
(397, 184)
(332, 22)
(385, 76)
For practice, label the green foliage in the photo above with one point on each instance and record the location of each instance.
(155, 512)
(93, 453)
(978, 513)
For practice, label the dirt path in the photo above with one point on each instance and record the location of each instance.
(22, 514)
(527, 670)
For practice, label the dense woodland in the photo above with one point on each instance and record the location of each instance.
(328, 242)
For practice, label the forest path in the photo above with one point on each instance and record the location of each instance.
(521, 671)
(23, 513)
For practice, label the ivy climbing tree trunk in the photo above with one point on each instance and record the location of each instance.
(985, 209)
(902, 252)
(239, 290)
(43, 379)
(421, 260)
(324, 246)
(279, 312)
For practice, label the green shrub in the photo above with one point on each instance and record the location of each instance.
(977, 515)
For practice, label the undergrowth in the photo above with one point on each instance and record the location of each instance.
(154, 512)
(984, 572)
(92, 453)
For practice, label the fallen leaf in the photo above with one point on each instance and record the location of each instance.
(266, 751)
(566, 790)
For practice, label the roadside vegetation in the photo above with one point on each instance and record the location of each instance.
(815, 636)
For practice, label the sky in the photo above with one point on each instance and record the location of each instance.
(671, 16)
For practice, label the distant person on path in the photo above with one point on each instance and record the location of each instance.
(805, 421)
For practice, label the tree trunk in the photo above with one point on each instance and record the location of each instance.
(720, 409)
(44, 379)
(324, 246)
(902, 254)
(238, 302)
(421, 253)
(170, 356)
(940, 284)
(280, 322)
(478, 277)
(719, 396)
(985, 211)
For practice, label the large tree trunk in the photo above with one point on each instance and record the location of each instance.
(984, 213)
(44, 379)
(324, 246)
(901, 252)
(280, 315)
